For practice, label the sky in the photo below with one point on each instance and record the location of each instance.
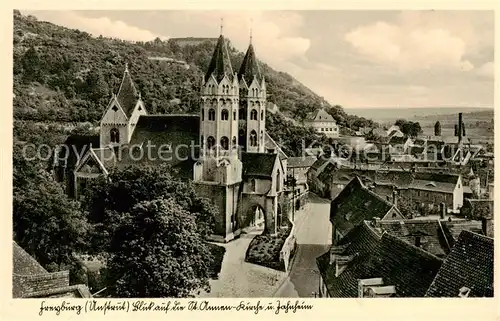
(357, 59)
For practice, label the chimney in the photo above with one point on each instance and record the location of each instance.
(442, 211)
(395, 198)
(376, 222)
(460, 127)
(487, 226)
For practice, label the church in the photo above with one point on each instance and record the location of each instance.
(225, 149)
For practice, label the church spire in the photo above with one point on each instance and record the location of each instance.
(250, 66)
(220, 65)
(127, 94)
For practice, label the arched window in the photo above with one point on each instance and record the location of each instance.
(253, 114)
(234, 115)
(203, 114)
(242, 115)
(252, 185)
(211, 114)
(234, 142)
(114, 135)
(210, 142)
(253, 138)
(262, 115)
(224, 142)
(224, 114)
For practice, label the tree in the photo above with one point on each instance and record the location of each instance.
(437, 129)
(46, 223)
(31, 65)
(156, 251)
(108, 198)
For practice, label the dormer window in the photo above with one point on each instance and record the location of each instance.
(432, 184)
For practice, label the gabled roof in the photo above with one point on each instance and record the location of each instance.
(76, 146)
(408, 268)
(258, 164)
(354, 204)
(270, 143)
(161, 132)
(127, 94)
(319, 115)
(250, 67)
(220, 65)
(302, 161)
(23, 263)
(469, 264)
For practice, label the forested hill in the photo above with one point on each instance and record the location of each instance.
(62, 74)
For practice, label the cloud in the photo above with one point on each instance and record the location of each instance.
(419, 47)
(487, 70)
(97, 26)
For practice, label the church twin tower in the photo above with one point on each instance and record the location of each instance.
(232, 115)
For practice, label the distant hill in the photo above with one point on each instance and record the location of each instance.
(63, 74)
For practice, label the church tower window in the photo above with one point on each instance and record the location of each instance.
(211, 114)
(262, 115)
(114, 135)
(234, 115)
(234, 142)
(224, 114)
(224, 142)
(202, 114)
(253, 114)
(253, 138)
(210, 142)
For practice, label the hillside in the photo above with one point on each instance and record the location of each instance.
(62, 74)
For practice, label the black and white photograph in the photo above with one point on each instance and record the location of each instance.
(252, 154)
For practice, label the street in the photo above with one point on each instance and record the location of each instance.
(313, 240)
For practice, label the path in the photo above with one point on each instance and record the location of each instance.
(239, 279)
(313, 240)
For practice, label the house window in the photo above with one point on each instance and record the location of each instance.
(114, 135)
(253, 115)
(253, 138)
(210, 142)
(211, 114)
(418, 241)
(224, 142)
(224, 114)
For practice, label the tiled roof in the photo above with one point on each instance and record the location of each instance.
(159, 132)
(23, 263)
(319, 115)
(75, 144)
(220, 65)
(354, 204)
(455, 227)
(408, 268)
(431, 234)
(250, 67)
(469, 264)
(127, 94)
(320, 162)
(305, 161)
(258, 164)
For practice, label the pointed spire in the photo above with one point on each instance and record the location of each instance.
(251, 29)
(221, 25)
(220, 65)
(127, 94)
(250, 66)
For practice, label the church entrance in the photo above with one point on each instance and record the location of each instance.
(256, 218)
